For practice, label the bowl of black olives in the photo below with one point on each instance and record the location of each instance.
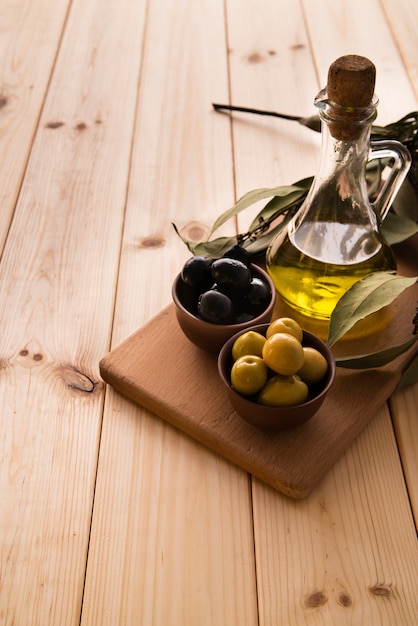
(217, 297)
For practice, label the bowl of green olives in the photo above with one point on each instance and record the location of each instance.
(276, 376)
(215, 298)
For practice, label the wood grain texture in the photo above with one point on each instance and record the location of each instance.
(177, 546)
(336, 29)
(346, 555)
(402, 18)
(404, 405)
(276, 73)
(58, 274)
(403, 21)
(29, 37)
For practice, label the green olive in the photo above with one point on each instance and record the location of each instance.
(283, 391)
(249, 374)
(314, 368)
(249, 342)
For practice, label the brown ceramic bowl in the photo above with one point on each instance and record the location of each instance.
(211, 337)
(276, 418)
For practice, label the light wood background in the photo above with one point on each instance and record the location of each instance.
(107, 514)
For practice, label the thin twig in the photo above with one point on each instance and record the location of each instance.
(311, 122)
(229, 107)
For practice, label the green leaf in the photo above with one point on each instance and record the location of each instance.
(276, 206)
(214, 248)
(367, 296)
(375, 359)
(410, 375)
(188, 243)
(396, 228)
(208, 248)
(251, 197)
(291, 196)
(283, 199)
(259, 244)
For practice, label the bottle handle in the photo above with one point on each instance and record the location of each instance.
(390, 149)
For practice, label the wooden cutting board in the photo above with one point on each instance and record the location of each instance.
(160, 369)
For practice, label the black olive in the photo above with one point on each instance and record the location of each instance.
(239, 253)
(215, 307)
(258, 296)
(231, 275)
(244, 317)
(196, 272)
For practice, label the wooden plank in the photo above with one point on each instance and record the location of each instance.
(402, 18)
(361, 28)
(346, 555)
(58, 276)
(178, 529)
(403, 21)
(365, 513)
(175, 546)
(29, 37)
(273, 71)
(404, 411)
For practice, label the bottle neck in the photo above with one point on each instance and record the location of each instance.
(337, 154)
(339, 193)
(345, 144)
(347, 124)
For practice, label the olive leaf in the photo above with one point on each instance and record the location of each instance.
(256, 246)
(396, 228)
(410, 375)
(287, 197)
(215, 248)
(251, 197)
(284, 200)
(208, 248)
(375, 359)
(367, 296)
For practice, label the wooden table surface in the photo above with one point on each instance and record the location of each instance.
(108, 515)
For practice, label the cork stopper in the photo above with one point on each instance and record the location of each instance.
(351, 82)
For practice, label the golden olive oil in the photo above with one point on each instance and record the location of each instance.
(312, 286)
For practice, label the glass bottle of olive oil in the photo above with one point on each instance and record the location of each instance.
(334, 240)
